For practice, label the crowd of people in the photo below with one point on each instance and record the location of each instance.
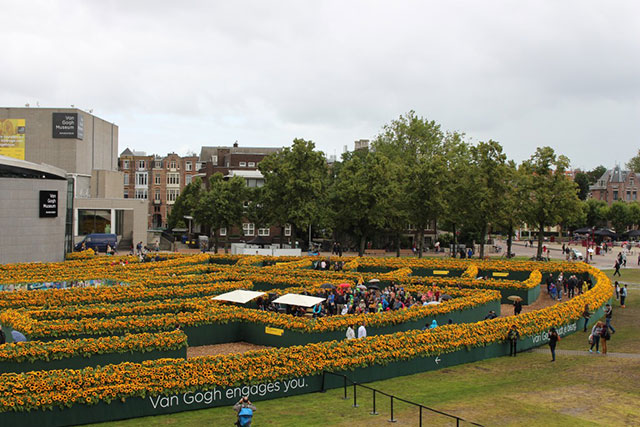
(359, 299)
(569, 286)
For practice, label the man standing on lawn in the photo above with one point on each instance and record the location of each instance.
(623, 295)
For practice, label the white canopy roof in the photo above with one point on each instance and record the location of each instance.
(239, 296)
(299, 300)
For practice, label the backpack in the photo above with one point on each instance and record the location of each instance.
(244, 416)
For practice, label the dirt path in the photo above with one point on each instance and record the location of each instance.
(227, 348)
(543, 301)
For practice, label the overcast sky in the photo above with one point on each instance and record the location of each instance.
(178, 75)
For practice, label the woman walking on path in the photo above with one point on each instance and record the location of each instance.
(553, 340)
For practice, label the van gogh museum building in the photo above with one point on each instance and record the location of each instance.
(59, 181)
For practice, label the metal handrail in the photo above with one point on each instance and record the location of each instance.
(392, 398)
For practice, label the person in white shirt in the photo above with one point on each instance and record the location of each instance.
(351, 334)
(345, 309)
(362, 332)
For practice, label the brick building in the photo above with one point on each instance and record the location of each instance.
(158, 180)
(616, 184)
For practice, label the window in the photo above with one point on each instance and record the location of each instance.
(126, 179)
(172, 164)
(141, 179)
(198, 166)
(157, 164)
(243, 164)
(248, 228)
(141, 193)
(187, 166)
(126, 194)
(287, 230)
(252, 164)
(172, 195)
(187, 179)
(263, 231)
(142, 165)
(94, 221)
(125, 164)
(223, 231)
(615, 195)
(158, 179)
(173, 179)
(156, 196)
(628, 195)
(214, 160)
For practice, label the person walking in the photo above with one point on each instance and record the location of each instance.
(553, 340)
(517, 307)
(587, 315)
(623, 295)
(617, 290)
(513, 336)
(617, 267)
(596, 333)
(608, 314)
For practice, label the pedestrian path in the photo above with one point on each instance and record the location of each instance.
(586, 353)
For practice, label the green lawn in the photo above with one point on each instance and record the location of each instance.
(525, 390)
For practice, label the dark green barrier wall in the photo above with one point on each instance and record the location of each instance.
(158, 405)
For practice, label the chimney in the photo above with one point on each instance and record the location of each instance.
(235, 144)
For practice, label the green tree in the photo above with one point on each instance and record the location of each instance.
(582, 180)
(295, 186)
(221, 206)
(361, 196)
(597, 212)
(488, 175)
(458, 189)
(512, 215)
(552, 197)
(634, 214)
(184, 204)
(634, 163)
(595, 174)
(416, 145)
(619, 216)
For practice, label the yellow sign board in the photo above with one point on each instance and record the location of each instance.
(12, 138)
(441, 272)
(500, 274)
(273, 331)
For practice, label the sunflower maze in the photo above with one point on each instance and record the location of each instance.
(107, 337)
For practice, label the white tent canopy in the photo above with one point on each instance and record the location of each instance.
(299, 300)
(239, 296)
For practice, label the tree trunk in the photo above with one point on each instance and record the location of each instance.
(215, 241)
(454, 251)
(540, 240)
(281, 236)
(398, 245)
(509, 239)
(483, 232)
(226, 241)
(421, 243)
(363, 241)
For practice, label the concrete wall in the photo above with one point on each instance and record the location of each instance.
(97, 150)
(25, 237)
(106, 184)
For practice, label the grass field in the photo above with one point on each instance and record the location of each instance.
(526, 390)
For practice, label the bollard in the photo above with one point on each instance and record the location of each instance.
(374, 412)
